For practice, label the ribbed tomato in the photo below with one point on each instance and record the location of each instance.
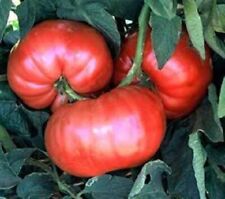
(121, 129)
(182, 82)
(54, 49)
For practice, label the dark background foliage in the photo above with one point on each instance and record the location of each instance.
(191, 160)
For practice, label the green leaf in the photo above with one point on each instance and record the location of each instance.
(177, 155)
(217, 154)
(221, 105)
(199, 159)
(65, 197)
(30, 12)
(126, 9)
(7, 194)
(213, 98)
(194, 26)
(152, 188)
(44, 9)
(26, 16)
(6, 92)
(206, 119)
(36, 186)
(164, 42)
(163, 8)
(199, 2)
(12, 119)
(10, 166)
(214, 185)
(23, 122)
(93, 14)
(8, 177)
(208, 10)
(4, 52)
(5, 139)
(215, 176)
(219, 18)
(11, 37)
(17, 158)
(36, 120)
(214, 42)
(107, 186)
(5, 6)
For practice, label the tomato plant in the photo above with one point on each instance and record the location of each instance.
(55, 49)
(66, 133)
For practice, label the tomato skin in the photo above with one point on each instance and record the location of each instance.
(56, 48)
(125, 60)
(120, 129)
(184, 79)
(59, 101)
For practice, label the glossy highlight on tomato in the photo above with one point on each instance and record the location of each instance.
(184, 79)
(54, 49)
(121, 129)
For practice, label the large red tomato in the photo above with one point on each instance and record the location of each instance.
(182, 82)
(54, 49)
(121, 129)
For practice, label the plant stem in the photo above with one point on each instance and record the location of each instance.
(62, 186)
(217, 170)
(136, 67)
(70, 92)
(63, 87)
(3, 78)
(43, 152)
(39, 164)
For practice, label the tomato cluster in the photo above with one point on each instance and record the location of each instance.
(125, 126)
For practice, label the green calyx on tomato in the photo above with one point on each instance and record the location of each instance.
(65, 94)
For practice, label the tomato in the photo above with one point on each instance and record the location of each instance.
(121, 129)
(184, 79)
(125, 60)
(55, 49)
(59, 100)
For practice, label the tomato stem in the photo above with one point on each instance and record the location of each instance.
(43, 166)
(71, 93)
(136, 67)
(63, 86)
(62, 186)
